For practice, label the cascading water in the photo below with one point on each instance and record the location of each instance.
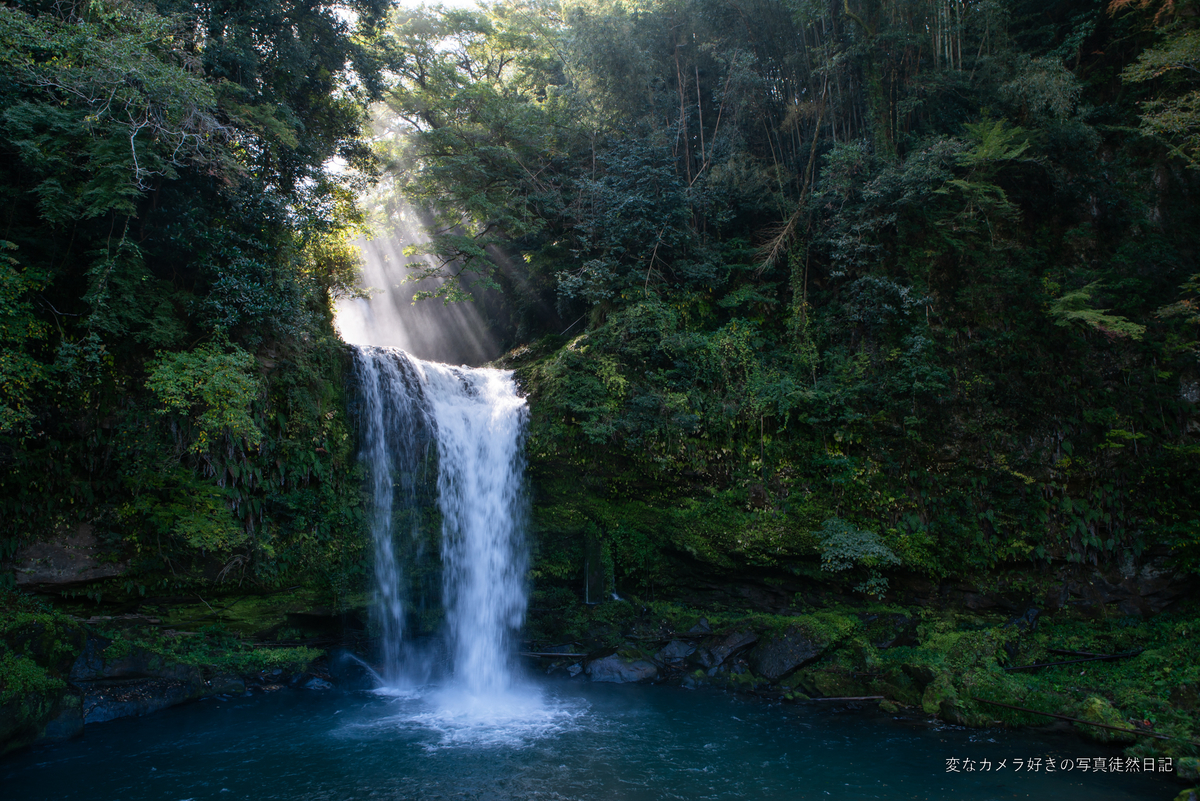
(394, 431)
(477, 421)
(480, 423)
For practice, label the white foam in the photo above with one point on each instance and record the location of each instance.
(451, 717)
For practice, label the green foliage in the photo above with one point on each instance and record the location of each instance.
(20, 373)
(217, 385)
(22, 677)
(1074, 308)
(1176, 118)
(906, 351)
(844, 546)
(174, 238)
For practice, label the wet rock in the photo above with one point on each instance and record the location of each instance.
(780, 655)
(675, 652)
(701, 627)
(67, 722)
(317, 683)
(618, 671)
(702, 658)
(23, 719)
(226, 684)
(575, 670)
(729, 646)
(119, 698)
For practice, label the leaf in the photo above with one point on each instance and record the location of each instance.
(1074, 309)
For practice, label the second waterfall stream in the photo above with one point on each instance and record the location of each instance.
(474, 420)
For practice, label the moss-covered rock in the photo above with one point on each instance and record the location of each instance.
(37, 648)
(1098, 710)
(940, 698)
(804, 640)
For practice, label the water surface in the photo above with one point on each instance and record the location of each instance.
(565, 740)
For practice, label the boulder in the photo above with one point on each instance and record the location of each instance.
(69, 558)
(119, 698)
(225, 684)
(890, 631)
(317, 683)
(780, 655)
(24, 718)
(1098, 710)
(675, 652)
(102, 659)
(618, 671)
(67, 722)
(732, 644)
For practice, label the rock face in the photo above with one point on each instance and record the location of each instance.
(44, 646)
(675, 652)
(226, 684)
(118, 682)
(100, 660)
(616, 670)
(734, 643)
(69, 558)
(780, 655)
(120, 698)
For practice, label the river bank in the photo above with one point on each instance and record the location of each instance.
(948, 663)
(556, 739)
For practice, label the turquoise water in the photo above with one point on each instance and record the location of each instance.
(564, 740)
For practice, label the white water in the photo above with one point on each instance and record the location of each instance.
(480, 436)
(394, 428)
(477, 421)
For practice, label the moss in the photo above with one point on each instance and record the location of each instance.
(1098, 710)
(22, 678)
(832, 684)
(244, 615)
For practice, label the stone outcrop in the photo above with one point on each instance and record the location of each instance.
(617, 670)
(780, 655)
(70, 558)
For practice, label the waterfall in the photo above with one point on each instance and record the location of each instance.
(395, 436)
(477, 422)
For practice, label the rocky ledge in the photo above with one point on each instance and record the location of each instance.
(60, 674)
